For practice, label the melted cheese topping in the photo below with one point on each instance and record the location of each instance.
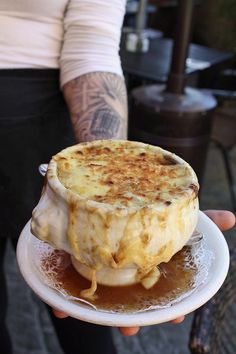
(156, 190)
(125, 173)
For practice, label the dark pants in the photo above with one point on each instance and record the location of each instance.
(34, 125)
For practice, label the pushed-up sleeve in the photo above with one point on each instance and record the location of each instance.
(92, 30)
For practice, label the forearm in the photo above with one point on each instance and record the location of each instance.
(98, 106)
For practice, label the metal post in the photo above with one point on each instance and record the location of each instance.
(141, 16)
(176, 77)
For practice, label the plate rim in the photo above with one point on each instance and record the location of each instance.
(77, 310)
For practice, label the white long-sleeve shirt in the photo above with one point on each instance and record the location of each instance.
(77, 36)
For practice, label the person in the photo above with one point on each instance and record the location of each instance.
(60, 82)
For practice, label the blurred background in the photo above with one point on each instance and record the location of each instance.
(179, 62)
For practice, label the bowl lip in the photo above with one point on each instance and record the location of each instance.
(69, 196)
(201, 295)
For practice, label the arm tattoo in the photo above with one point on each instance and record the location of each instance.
(98, 106)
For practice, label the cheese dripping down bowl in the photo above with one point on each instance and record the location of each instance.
(119, 208)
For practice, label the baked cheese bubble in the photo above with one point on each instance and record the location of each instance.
(125, 174)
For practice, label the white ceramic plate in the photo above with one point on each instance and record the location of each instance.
(214, 242)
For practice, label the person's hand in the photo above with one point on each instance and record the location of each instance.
(225, 220)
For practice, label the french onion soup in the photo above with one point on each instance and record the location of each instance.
(119, 208)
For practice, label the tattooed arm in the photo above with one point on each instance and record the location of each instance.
(98, 106)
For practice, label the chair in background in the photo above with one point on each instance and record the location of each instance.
(224, 135)
(224, 123)
(214, 326)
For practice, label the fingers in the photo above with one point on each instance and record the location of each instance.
(178, 320)
(225, 220)
(128, 331)
(59, 314)
(131, 331)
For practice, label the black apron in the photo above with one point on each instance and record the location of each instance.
(34, 125)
